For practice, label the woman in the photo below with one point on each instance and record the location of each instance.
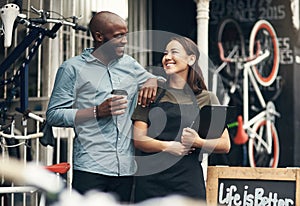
(165, 133)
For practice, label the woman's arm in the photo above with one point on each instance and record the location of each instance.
(148, 144)
(219, 145)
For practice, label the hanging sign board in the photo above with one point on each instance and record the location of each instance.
(234, 186)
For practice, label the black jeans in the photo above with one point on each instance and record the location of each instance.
(120, 186)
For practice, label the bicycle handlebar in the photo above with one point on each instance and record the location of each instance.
(26, 113)
(36, 32)
(44, 17)
(229, 58)
(58, 21)
(31, 115)
(22, 137)
(221, 54)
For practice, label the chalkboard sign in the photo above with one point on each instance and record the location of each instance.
(253, 186)
(256, 192)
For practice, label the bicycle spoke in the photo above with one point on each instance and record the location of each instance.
(263, 160)
(259, 140)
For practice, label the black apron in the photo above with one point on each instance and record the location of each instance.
(162, 174)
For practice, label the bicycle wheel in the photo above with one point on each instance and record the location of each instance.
(231, 47)
(266, 71)
(257, 151)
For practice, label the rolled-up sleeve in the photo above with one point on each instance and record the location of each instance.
(140, 114)
(60, 111)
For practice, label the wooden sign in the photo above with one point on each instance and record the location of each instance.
(246, 186)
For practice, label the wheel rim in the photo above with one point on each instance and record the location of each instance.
(267, 34)
(261, 158)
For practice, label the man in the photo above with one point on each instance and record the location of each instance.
(81, 98)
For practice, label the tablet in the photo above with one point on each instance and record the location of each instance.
(213, 120)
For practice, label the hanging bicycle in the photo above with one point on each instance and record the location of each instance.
(244, 76)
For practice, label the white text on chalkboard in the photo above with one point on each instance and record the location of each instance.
(231, 196)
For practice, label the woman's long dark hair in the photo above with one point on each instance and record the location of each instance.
(195, 77)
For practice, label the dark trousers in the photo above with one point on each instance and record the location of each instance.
(120, 186)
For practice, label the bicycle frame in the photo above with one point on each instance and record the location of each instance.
(248, 73)
(217, 71)
(37, 34)
(253, 134)
(269, 107)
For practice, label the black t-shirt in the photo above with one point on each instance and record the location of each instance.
(175, 96)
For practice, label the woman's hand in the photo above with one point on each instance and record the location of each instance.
(177, 148)
(189, 137)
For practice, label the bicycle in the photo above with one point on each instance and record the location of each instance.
(36, 35)
(8, 132)
(38, 28)
(242, 74)
(32, 41)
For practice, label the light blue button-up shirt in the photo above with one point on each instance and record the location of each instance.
(102, 146)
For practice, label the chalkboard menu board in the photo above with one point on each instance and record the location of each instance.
(253, 186)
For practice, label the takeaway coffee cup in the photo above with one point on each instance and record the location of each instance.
(120, 92)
